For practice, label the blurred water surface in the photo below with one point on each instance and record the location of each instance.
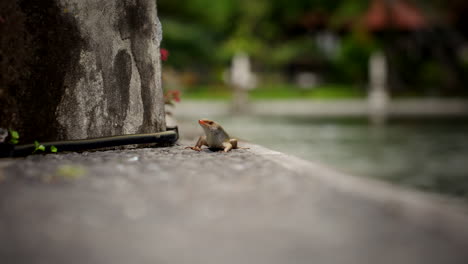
(427, 154)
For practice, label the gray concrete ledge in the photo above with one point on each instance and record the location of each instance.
(173, 205)
(329, 108)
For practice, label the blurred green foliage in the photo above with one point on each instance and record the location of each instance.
(269, 30)
(281, 36)
(352, 61)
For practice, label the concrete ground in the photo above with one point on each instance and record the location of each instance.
(175, 205)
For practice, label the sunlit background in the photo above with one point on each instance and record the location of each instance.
(374, 88)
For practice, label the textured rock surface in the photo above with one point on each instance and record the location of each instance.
(79, 69)
(172, 205)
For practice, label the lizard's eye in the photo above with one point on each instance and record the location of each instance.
(210, 122)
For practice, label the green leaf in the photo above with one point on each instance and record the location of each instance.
(53, 149)
(38, 147)
(14, 134)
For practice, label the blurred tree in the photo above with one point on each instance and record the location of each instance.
(275, 31)
(280, 34)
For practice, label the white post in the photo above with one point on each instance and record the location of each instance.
(242, 79)
(378, 97)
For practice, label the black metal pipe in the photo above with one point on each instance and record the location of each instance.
(167, 137)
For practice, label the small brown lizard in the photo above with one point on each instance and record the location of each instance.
(215, 137)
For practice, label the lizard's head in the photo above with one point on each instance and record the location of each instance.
(213, 130)
(208, 125)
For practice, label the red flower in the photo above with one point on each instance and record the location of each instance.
(164, 54)
(172, 95)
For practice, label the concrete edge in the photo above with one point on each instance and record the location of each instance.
(426, 208)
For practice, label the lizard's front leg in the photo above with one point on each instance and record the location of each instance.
(227, 146)
(201, 141)
(233, 142)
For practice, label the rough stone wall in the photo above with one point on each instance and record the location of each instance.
(80, 68)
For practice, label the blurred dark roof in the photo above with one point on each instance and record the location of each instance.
(394, 14)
